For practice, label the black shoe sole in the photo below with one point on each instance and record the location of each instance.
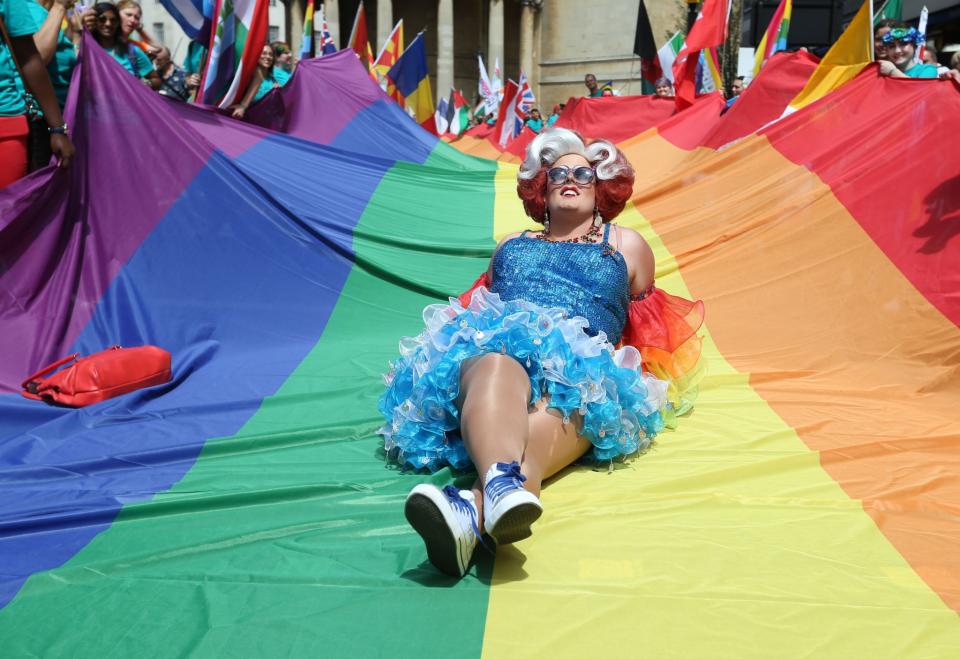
(427, 520)
(515, 524)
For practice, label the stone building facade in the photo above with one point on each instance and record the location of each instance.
(556, 42)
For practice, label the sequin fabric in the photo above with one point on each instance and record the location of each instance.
(587, 280)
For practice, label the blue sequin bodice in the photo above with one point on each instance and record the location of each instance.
(588, 280)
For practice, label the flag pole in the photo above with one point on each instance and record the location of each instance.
(731, 49)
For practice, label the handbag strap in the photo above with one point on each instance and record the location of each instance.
(32, 380)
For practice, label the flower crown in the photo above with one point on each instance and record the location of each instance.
(902, 34)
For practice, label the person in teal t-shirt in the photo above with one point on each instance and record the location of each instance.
(55, 47)
(900, 47)
(14, 128)
(261, 84)
(281, 75)
(282, 62)
(535, 121)
(104, 25)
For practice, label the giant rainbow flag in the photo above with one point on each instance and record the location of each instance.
(808, 506)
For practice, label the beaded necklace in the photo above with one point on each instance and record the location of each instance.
(589, 237)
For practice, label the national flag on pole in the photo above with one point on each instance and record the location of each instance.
(411, 80)
(487, 92)
(391, 50)
(238, 39)
(326, 45)
(459, 113)
(525, 97)
(845, 59)
(775, 38)
(440, 116)
(709, 31)
(506, 128)
(645, 47)
(307, 45)
(922, 29)
(668, 54)
(710, 79)
(891, 9)
(360, 42)
(191, 17)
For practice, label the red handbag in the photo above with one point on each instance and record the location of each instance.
(100, 376)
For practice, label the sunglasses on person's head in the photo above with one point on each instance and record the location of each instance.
(582, 175)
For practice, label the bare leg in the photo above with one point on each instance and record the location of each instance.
(552, 445)
(494, 392)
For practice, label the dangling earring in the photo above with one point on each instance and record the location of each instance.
(597, 220)
(546, 223)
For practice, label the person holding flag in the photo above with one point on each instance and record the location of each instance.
(263, 81)
(900, 47)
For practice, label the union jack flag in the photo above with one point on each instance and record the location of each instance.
(525, 97)
(326, 45)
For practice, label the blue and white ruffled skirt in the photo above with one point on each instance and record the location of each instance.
(619, 405)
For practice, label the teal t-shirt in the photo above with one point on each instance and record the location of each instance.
(193, 62)
(921, 71)
(282, 76)
(536, 125)
(132, 59)
(20, 23)
(265, 86)
(64, 59)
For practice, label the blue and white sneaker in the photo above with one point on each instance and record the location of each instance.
(447, 521)
(508, 508)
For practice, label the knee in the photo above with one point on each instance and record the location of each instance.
(496, 373)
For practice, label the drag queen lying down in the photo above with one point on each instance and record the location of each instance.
(562, 349)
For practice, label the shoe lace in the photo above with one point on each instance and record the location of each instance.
(463, 506)
(509, 479)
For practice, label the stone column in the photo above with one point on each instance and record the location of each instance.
(526, 36)
(295, 10)
(384, 24)
(444, 48)
(495, 36)
(331, 11)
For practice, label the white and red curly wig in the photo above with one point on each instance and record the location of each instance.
(614, 183)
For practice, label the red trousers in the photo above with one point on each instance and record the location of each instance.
(13, 149)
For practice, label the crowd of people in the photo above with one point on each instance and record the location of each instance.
(38, 53)
(41, 38)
